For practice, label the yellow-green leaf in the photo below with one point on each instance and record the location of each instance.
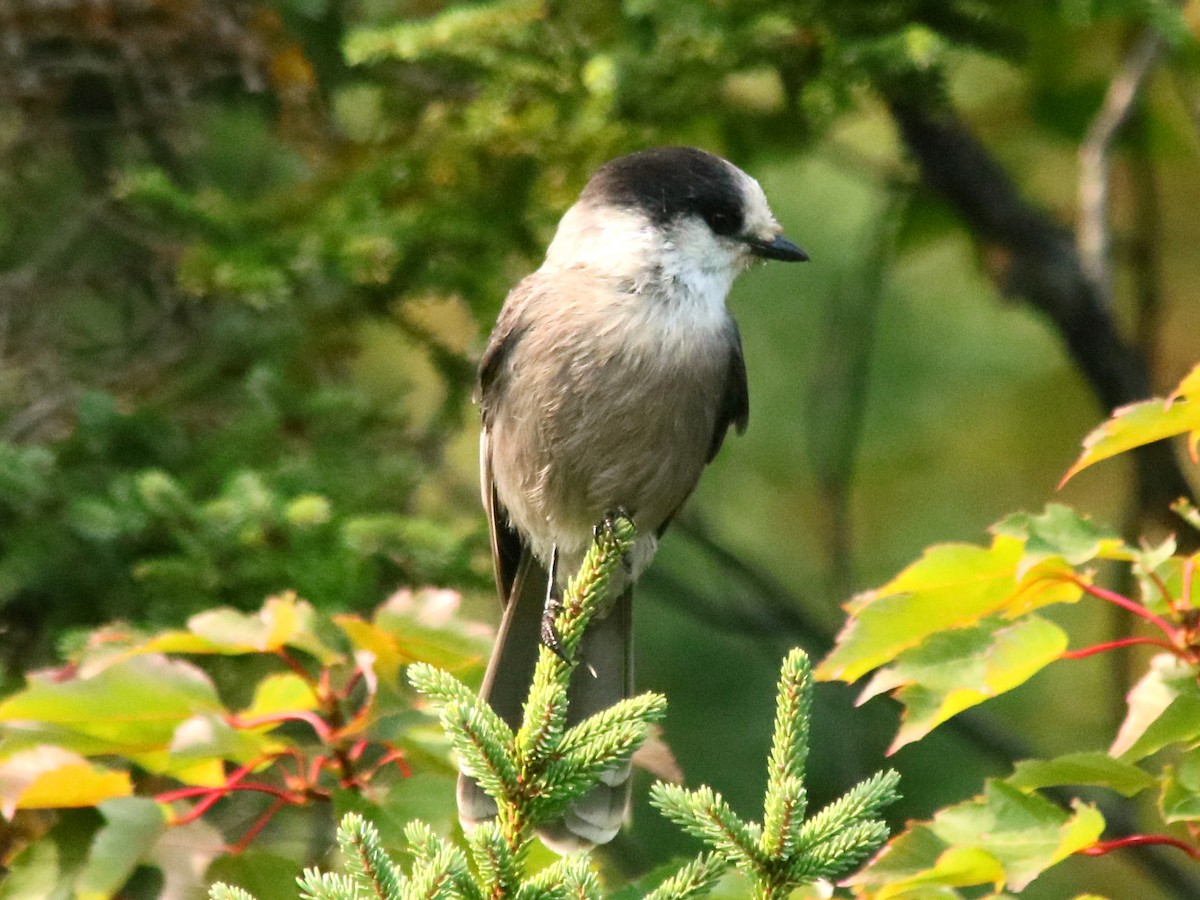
(1143, 423)
(1060, 532)
(53, 778)
(958, 669)
(1164, 708)
(125, 707)
(280, 693)
(1002, 838)
(369, 638)
(283, 621)
(951, 586)
(1180, 798)
(424, 627)
(1090, 768)
(161, 713)
(200, 746)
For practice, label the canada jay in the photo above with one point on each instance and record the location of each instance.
(608, 384)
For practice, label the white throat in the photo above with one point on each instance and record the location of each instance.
(683, 270)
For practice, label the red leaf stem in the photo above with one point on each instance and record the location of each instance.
(1140, 840)
(259, 824)
(213, 794)
(1125, 603)
(1123, 642)
(295, 665)
(392, 756)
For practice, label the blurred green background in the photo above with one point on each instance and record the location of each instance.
(250, 251)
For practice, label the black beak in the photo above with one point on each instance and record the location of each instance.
(778, 247)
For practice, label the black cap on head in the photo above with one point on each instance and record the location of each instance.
(668, 182)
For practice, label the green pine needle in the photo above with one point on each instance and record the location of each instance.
(545, 716)
(692, 880)
(705, 814)
(551, 775)
(793, 709)
(482, 752)
(569, 877)
(587, 591)
(316, 885)
(634, 712)
(604, 741)
(863, 801)
(785, 852)
(228, 892)
(422, 841)
(498, 867)
(841, 852)
(783, 816)
(366, 861)
(444, 689)
(438, 877)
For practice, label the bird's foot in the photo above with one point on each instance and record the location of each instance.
(607, 525)
(549, 634)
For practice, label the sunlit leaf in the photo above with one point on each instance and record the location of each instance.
(958, 669)
(283, 621)
(201, 744)
(1003, 838)
(1164, 708)
(127, 706)
(1180, 799)
(163, 714)
(1044, 583)
(1145, 422)
(1160, 573)
(1094, 768)
(952, 586)
(445, 650)
(367, 637)
(919, 860)
(279, 693)
(54, 778)
(415, 626)
(1059, 531)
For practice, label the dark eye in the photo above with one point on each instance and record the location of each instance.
(722, 222)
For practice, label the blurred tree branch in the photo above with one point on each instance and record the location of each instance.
(1092, 231)
(1034, 258)
(837, 395)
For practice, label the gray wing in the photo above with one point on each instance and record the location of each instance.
(507, 546)
(734, 408)
(735, 399)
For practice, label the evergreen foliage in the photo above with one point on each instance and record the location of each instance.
(247, 251)
(534, 773)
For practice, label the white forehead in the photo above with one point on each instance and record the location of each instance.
(757, 216)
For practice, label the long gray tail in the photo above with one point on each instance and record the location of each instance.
(603, 676)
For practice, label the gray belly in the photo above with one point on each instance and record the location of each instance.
(626, 431)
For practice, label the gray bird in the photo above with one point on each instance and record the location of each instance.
(608, 383)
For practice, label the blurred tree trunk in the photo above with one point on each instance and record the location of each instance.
(1037, 260)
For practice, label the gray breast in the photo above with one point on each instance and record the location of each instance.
(600, 412)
